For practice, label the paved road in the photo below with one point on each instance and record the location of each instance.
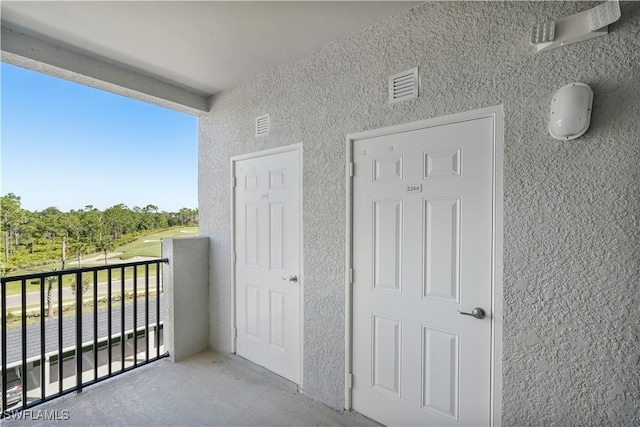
(14, 337)
(15, 301)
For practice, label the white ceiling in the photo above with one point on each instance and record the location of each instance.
(201, 46)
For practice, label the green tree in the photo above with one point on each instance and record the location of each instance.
(118, 220)
(51, 221)
(187, 216)
(91, 219)
(26, 237)
(12, 218)
(72, 222)
(150, 212)
(78, 248)
(31, 230)
(106, 245)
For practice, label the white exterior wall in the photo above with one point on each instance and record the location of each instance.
(571, 345)
(185, 282)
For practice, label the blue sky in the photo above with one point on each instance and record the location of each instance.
(68, 145)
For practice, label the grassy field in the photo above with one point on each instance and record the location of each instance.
(145, 246)
(149, 245)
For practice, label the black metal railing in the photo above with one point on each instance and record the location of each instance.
(88, 330)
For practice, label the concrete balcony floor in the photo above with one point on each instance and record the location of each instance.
(209, 389)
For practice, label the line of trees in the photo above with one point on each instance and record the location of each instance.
(52, 234)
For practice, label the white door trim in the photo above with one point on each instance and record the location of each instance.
(277, 150)
(497, 113)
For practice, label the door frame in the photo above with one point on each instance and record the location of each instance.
(497, 113)
(232, 183)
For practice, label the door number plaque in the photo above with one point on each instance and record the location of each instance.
(414, 188)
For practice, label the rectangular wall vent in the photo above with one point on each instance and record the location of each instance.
(262, 125)
(403, 86)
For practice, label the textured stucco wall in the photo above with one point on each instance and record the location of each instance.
(185, 282)
(571, 231)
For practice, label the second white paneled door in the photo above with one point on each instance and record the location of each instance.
(267, 268)
(422, 256)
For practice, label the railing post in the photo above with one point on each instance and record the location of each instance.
(146, 311)
(60, 341)
(23, 366)
(157, 341)
(109, 331)
(123, 336)
(43, 347)
(3, 303)
(135, 315)
(79, 332)
(95, 322)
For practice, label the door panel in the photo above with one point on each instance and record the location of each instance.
(441, 352)
(267, 237)
(387, 349)
(277, 236)
(277, 320)
(387, 245)
(252, 244)
(422, 251)
(442, 249)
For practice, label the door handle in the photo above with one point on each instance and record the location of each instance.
(293, 278)
(477, 312)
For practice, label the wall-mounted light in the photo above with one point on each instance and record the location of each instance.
(570, 111)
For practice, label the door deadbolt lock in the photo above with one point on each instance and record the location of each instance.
(293, 278)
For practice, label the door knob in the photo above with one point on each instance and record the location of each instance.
(293, 278)
(477, 312)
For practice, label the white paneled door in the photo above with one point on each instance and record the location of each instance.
(267, 268)
(422, 256)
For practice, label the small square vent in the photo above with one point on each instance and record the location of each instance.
(262, 125)
(403, 86)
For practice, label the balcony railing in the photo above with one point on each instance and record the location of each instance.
(56, 340)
